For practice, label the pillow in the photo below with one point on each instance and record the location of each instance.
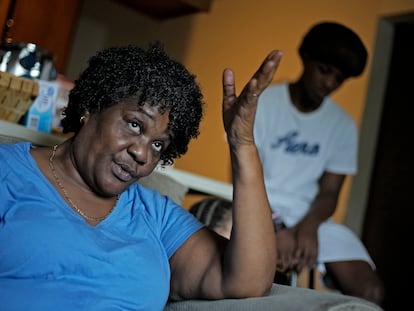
(281, 298)
(165, 185)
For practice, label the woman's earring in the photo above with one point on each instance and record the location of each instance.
(82, 119)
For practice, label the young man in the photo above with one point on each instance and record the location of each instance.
(308, 144)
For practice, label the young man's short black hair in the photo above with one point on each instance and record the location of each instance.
(337, 45)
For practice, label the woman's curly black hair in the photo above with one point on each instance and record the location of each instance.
(151, 76)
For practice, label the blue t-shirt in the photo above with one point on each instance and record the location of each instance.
(51, 259)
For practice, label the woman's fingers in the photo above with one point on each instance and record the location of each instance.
(229, 88)
(259, 81)
(264, 75)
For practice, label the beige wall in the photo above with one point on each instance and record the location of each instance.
(236, 34)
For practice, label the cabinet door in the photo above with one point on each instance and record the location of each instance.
(48, 23)
(4, 10)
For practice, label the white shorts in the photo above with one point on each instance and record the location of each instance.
(336, 243)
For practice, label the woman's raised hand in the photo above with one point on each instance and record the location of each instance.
(239, 111)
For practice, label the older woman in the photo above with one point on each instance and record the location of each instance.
(77, 231)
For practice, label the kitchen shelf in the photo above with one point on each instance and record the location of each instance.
(166, 9)
(22, 133)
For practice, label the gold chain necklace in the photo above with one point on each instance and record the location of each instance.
(66, 195)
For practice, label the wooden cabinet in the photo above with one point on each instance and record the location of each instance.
(164, 9)
(4, 8)
(48, 23)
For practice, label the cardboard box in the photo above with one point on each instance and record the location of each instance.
(41, 114)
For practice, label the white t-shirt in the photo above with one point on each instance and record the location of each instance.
(295, 149)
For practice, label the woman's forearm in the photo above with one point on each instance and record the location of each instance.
(250, 260)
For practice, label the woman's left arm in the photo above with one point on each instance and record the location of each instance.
(210, 267)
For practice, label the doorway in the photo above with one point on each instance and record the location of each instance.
(383, 192)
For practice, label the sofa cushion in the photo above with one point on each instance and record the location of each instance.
(281, 298)
(165, 185)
